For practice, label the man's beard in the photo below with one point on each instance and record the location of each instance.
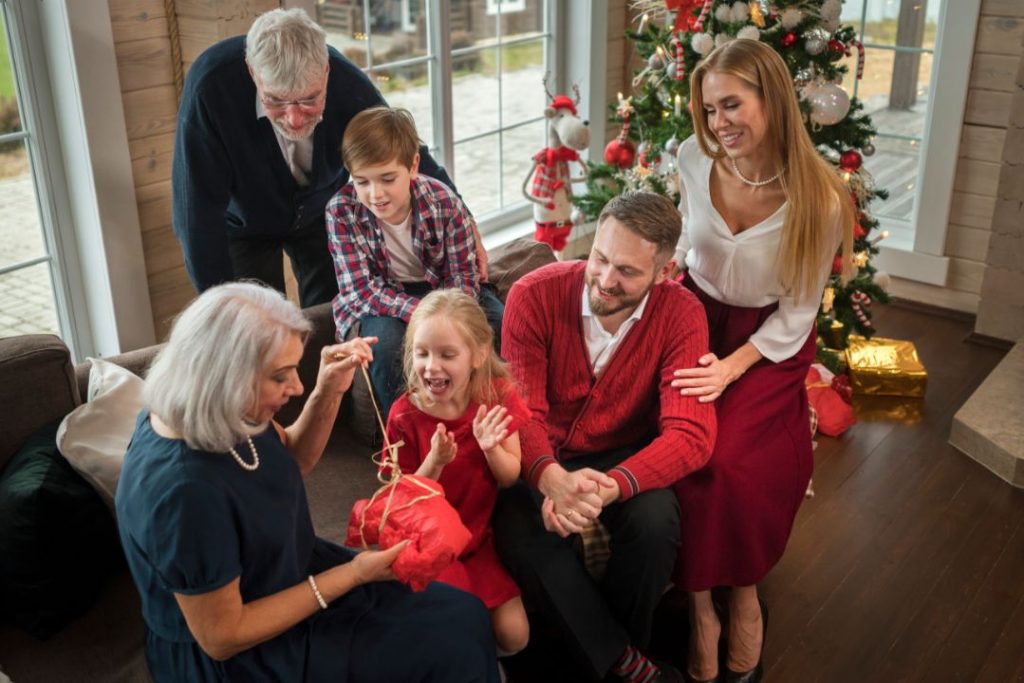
(602, 308)
(296, 135)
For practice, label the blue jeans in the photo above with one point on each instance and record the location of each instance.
(386, 373)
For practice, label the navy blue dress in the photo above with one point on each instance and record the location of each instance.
(191, 522)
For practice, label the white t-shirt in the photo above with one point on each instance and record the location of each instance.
(740, 270)
(404, 262)
(601, 344)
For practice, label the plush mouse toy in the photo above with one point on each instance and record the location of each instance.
(547, 184)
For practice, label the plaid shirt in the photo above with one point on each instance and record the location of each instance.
(442, 237)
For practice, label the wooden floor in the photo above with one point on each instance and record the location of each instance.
(908, 564)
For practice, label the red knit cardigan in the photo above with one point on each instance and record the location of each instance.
(573, 413)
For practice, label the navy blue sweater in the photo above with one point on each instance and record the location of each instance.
(229, 178)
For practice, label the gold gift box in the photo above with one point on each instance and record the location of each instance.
(885, 367)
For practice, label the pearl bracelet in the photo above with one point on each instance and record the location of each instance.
(317, 593)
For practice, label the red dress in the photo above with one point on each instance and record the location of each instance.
(737, 512)
(468, 485)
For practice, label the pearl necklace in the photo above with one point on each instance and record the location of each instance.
(255, 456)
(754, 183)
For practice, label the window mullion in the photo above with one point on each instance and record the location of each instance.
(440, 42)
(501, 119)
(367, 26)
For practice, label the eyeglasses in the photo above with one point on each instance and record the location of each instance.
(306, 104)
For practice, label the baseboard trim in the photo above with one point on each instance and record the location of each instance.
(990, 342)
(932, 309)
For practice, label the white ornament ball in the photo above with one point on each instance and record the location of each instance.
(831, 9)
(672, 146)
(654, 61)
(723, 38)
(829, 103)
(868, 150)
(790, 18)
(815, 46)
(724, 13)
(670, 70)
(749, 33)
(702, 43)
(740, 11)
(882, 279)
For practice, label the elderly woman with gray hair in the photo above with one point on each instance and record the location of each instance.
(216, 527)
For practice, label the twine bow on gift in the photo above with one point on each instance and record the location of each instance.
(388, 457)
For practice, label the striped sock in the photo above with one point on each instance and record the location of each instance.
(634, 667)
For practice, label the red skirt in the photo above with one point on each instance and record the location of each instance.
(738, 511)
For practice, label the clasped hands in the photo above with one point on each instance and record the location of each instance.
(573, 500)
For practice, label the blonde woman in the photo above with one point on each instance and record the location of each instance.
(763, 217)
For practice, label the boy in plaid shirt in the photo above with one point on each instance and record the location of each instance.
(395, 236)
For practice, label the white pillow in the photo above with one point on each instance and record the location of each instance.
(95, 435)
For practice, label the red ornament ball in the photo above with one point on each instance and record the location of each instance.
(836, 49)
(859, 232)
(850, 160)
(645, 159)
(789, 40)
(620, 152)
(837, 265)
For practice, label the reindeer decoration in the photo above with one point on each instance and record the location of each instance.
(547, 184)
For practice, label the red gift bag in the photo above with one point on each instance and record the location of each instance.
(414, 508)
(835, 415)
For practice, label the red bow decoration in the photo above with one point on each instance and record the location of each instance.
(684, 13)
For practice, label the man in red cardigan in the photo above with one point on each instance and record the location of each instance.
(593, 347)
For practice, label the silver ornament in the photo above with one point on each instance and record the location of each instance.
(670, 70)
(815, 46)
(654, 61)
(868, 150)
(829, 104)
(672, 146)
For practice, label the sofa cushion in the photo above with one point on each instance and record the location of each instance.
(38, 387)
(95, 435)
(58, 541)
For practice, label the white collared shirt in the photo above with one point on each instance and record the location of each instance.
(601, 344)
(297, 154)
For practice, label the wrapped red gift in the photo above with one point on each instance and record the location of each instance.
(835, 415)
(410, 508)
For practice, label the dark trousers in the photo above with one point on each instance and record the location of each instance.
(386, 372)
(597, 619)
(261, 259)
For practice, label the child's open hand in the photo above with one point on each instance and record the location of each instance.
(442, 447)
(490, 427)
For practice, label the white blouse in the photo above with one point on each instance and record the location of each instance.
(740, 270)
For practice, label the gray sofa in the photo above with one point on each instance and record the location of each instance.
(39, 384)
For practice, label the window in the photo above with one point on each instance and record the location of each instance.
(471, 72)
(29, 272)
(911, 45)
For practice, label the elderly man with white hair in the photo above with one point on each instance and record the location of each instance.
(215, 524)
(256, 155)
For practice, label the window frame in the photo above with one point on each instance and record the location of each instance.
(923, 257)
(439, 59)
(38, 130)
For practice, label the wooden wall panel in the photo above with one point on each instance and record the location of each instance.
(977, 177)
(972, 210)
(994, 72)
(1000, 35)
(967, 243)
(982, 143)
(151, 158)
(987, 108)
(144, 63)
(1006, 8)
(150, 111)
(138, 19)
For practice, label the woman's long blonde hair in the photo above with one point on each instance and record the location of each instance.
(817, 195)
(468, 319)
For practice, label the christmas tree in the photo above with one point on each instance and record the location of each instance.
(671, 37)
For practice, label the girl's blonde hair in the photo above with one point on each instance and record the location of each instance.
(818, 197)
(468, 319)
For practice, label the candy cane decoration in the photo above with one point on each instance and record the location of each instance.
(677, 43)
(860, 301)
(860, 57)
(698, 25)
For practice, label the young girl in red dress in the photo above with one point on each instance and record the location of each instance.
(458, 421)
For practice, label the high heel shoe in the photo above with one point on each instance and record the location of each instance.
(754, 675)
